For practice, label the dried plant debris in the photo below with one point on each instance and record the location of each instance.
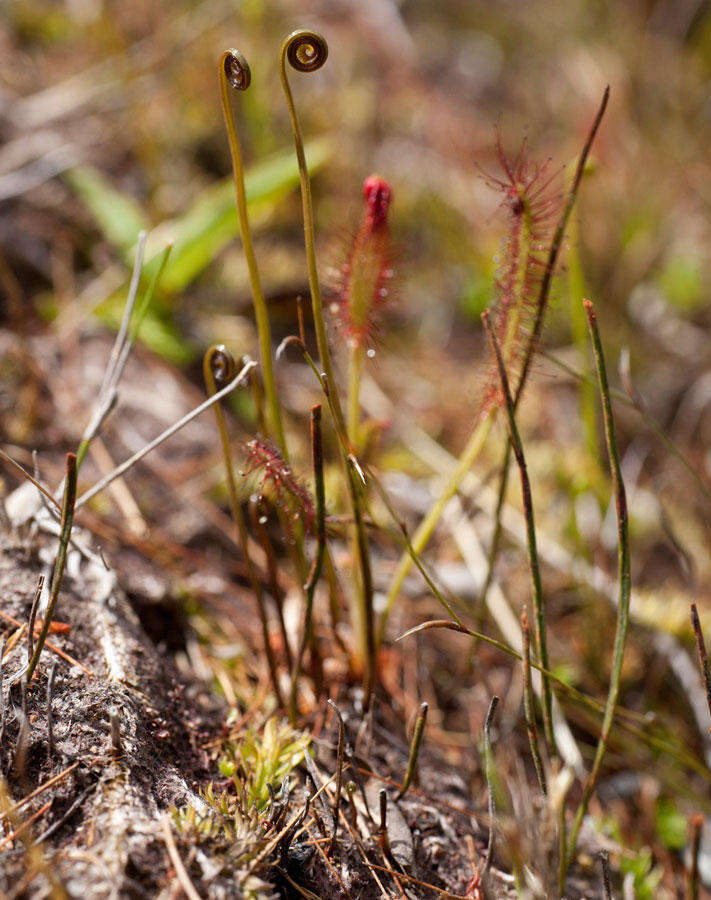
(124, 744)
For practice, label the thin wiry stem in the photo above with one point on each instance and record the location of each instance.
(306, 51)
(33, 615)
(218, 361)
(414, 750)
(272, 572)
(339, 771)
(483, 426)
(68, 505)
(498, 527)
(489, 771)
(50, 721)
(538, 604)
(169, 432)
(234, 71)
(528, 707)
(317, 565)
(692, 886)
(606, 880)
(623, 611)
(703, 656)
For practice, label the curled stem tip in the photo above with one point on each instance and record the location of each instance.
(236, 69)
(305, 50)
(234, 72)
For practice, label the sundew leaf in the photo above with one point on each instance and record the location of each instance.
(118, 216)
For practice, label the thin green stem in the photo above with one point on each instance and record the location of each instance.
(218, 363)
(489, 773)
(355, 371)
(692, 885)
(234, 71)
(528, 705)
(538, 604)
(624, 577)
(307, 51)
(578, 325)
(255, 516)
(68, 503)
(317, 565)
(414, 750)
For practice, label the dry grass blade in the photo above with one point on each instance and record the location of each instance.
(180, 871)
(169, 432)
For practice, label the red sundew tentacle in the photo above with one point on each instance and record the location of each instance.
(531, 200)
(363, 285)
(277, 475)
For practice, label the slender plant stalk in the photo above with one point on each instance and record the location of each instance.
(538, 604)
(33, 614)
(483, 426)
(272, 571)
(414, 750)
(692, 886)
(219, 362)
(68, 503)
(307, 51)
(624, 576)
(578, 325)
(317, 565)
(701, 650)
(498, 528)
(235, 72)
(355, 372)
(489, 771)
(339, 771)
(606, 879)
(528, 705)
